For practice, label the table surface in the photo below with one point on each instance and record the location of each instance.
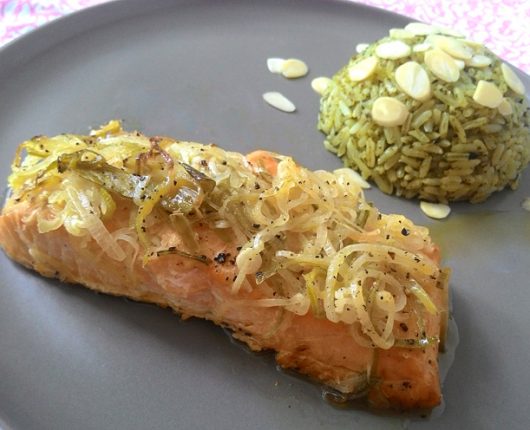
(501, 24)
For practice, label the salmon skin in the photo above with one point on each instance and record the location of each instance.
(290, 260)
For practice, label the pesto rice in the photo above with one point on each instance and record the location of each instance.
(428, 114)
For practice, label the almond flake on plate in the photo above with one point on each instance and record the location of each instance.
(389, 112)
(363, 69)
(294, 68)
(480, 61)
(420, 29)
(505, 108)
(275, 65)
(512, 80)
(442, 65)
(354, 176)
(361, 47)
(414, 80)
(435, 210)
(488, 94)
(279, 101)
(393, 50)
(320, 84)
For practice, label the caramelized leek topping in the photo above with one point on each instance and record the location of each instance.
(308, 240)
(180, 190)
(174, 251)
(93, 167)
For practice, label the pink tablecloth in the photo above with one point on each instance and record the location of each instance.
(503, 25)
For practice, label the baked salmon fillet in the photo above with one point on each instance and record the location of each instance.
(290, 260)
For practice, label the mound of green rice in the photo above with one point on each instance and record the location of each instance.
(450, 147)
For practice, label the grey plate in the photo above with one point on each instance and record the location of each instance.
(196, 70)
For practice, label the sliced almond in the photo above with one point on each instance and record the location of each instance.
(512, 80)
(400, 33)
(363, 69)
(480, 61)
(487, 94)
(420, 29)
(449, 31)
(460, 64)
(435, 210)
(442, 65)
(421, 47)
(434, 40)
(389, 112)
(414, 80)
(526, 204)
(473, 44)
(393, 50)
(275, 65)
(320, 84)
(361, 47)
(294, 68)
(505, 108)
(353, 176)
(279, 101)
(454, 47)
